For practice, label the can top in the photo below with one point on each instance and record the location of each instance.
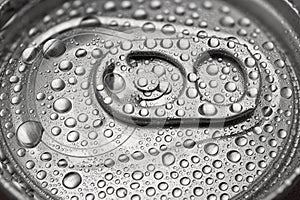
(148, 99)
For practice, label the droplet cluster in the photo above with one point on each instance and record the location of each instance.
(154, 99)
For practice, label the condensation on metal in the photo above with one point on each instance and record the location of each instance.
(147, 100)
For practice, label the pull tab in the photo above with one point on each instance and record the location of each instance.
(193, 82)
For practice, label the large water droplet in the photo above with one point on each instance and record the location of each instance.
(73, 136)
(212, 70)
(286, 92)
(140, 14)
(72, 180)
(29, 134)
(168, 29)
(227, 21)
(110, 6)
(54, 48)
(211, 149)
(208, 109)
(90, 21)
(234, 156)
(168, 159)
(80, 53)
(65, 65)
(29, 55)
(114, 82)
(58, 84)
(148, 27)
(62, 105)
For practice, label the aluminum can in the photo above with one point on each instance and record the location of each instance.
(149, 99)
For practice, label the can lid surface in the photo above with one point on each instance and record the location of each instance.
(139, 99)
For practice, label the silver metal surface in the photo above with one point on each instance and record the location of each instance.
(139, 99)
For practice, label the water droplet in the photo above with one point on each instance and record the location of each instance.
(211, 149)
(73, 136)
(213, 42)
(168, 159)
(128, 108)
(137, 155)
(54, 48)
(183, 44)
(90, 21)
(140, 14)
(80, 53)
(168, 29)
(268, 46)
(230, 87)
(208, 109)
(29, 134)
(65, 65)
(62, 105)
(72, 180)
(58, 84)
(234, 156)
(286, 92)
(212, 69)
(250, 62)
(110, 6)
(148, 27)
(115, 82)
(29, 55)
(189, 143)
(109, 163)
(227, 21)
